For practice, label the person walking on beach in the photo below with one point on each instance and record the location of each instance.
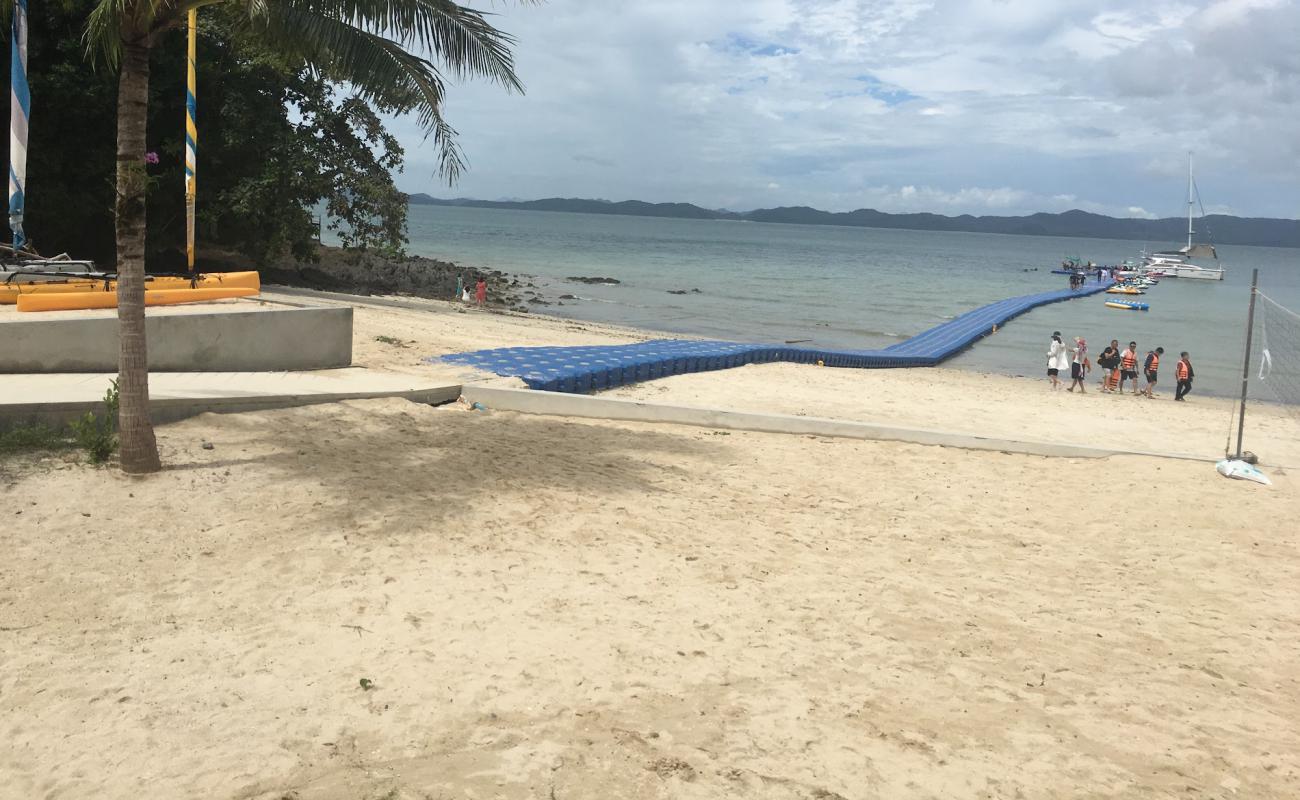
(1109, 363)
(480, 292)
(1058, 358)
(1151, 369)
(1184, 374)
(1128, 364)
(460, 287)
(1079, 365)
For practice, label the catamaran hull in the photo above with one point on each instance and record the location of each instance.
(1203, 274)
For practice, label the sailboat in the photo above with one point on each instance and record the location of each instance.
(1178, 263)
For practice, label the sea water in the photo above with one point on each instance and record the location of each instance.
(854, 287)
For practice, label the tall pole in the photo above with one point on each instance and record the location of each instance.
(1245, 367)
(20, 106)
(1190, 202)
(191, 143)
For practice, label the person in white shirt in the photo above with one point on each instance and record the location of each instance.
(1058, 358)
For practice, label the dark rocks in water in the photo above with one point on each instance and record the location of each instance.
(368, 272)
(604, 281)
(683, 291)
(538, 301)
(568, 297)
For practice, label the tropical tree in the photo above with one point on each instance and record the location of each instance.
(381, 49)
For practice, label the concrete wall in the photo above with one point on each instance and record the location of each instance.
(249, 341)
(573, 405)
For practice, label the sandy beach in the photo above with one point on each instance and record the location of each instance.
(378, 599)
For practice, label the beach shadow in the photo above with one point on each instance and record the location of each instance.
(410, 461)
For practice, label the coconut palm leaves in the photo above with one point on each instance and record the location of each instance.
(384, 49)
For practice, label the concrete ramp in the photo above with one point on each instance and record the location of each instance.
(56, 398)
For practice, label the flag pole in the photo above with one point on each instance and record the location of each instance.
(20, 105)
(191, 142)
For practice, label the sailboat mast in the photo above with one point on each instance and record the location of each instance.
(1190, 201)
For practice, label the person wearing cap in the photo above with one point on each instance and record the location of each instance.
(1058, 358)
(1080, 365)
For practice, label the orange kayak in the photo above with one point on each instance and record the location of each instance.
(70, 301)
(10, 292)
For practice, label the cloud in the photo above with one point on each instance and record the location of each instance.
(1003, 105)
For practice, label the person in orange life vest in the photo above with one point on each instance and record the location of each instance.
(1109, 363)
(1150, 368)
(480, 292)
(1128, 363)
(1184, 373)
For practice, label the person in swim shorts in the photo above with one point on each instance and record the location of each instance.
(1128, 365)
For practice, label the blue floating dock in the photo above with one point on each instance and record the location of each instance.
(596, 367)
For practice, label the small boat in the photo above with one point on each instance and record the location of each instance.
(1128, 305)
(10, 291)
(75, 301)
(1124, 290)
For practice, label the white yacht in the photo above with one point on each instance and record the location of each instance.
(1178, 263)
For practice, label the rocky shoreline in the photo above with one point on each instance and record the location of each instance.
(367, 273)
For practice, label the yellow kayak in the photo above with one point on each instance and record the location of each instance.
(71, 301)
(10, 292)
(1124, 290)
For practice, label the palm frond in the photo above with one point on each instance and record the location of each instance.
(114, 22)
(458, 37)
(377, 68)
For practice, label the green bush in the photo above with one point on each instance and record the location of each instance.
(96, 434)
(37, 436)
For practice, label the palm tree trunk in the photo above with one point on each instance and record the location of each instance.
(139, 449)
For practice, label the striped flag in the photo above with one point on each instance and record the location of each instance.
(191, 143)
(20, 106)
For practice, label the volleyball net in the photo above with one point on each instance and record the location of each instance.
(1278, 357)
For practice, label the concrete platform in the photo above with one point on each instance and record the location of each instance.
(57, 398)
(224, 336)
(564, 404)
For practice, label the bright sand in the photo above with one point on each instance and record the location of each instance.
(578, 609)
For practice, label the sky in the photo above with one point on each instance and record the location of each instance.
(962, 106)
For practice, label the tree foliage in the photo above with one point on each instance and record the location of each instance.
(279, 144)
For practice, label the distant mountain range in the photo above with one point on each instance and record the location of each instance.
(1216, 228)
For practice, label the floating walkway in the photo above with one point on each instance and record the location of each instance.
(592, 368)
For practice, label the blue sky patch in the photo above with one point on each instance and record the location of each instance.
(744, 44)
(874, 87)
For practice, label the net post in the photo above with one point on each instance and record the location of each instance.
(1245, 367)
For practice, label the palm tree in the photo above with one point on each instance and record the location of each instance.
(372, 45)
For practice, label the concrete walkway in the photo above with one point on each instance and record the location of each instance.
(174, 395)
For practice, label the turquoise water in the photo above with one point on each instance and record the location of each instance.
(851, 287)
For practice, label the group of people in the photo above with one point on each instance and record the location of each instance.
(1079, 277)
(1118, 367)
(462, 291)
